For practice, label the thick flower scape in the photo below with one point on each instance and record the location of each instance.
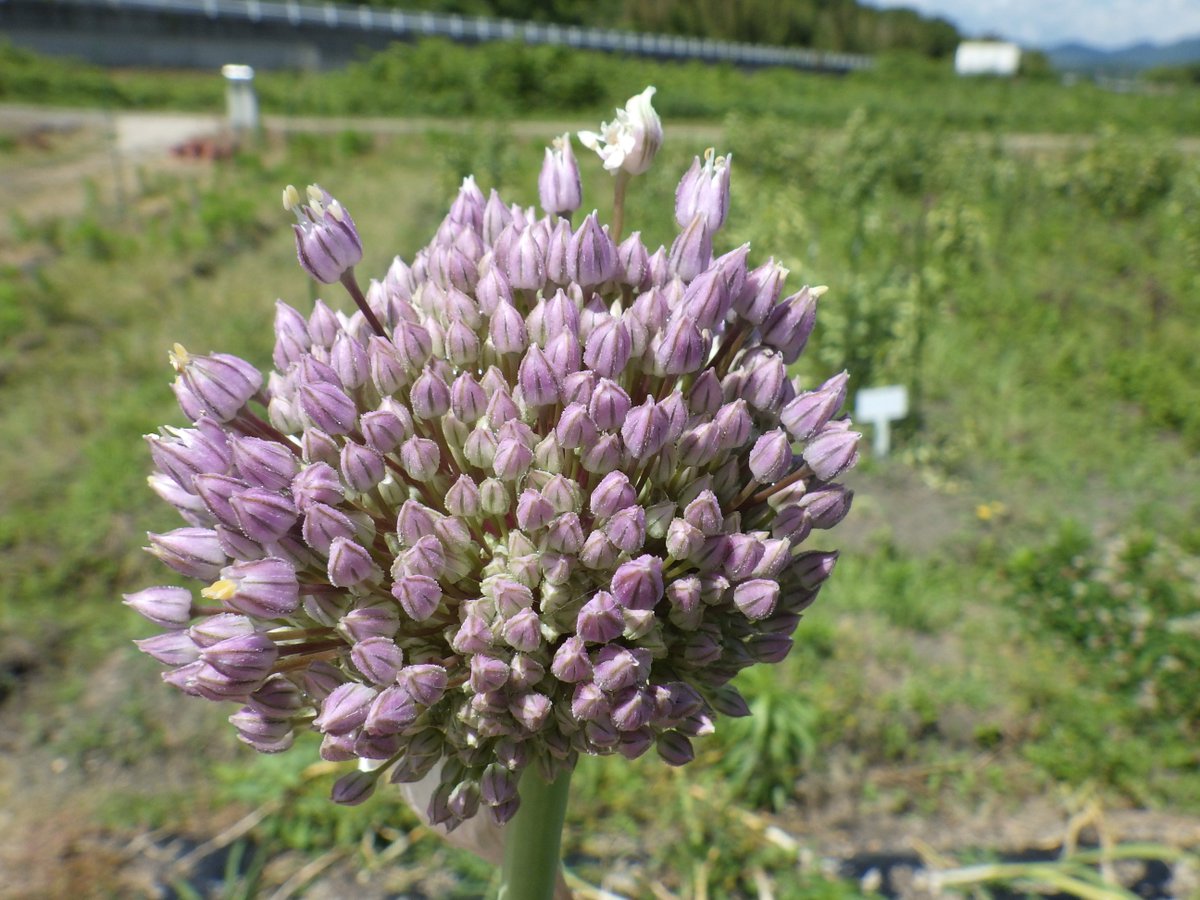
(548, 503)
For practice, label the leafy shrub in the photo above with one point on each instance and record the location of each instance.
(1130, 605)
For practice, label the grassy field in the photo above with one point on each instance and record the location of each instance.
(1009, 643)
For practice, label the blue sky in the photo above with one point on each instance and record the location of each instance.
(1041, 23)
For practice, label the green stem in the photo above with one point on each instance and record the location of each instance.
(618, 220)
(533, 837)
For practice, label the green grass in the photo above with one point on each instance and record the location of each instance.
(1044, 311)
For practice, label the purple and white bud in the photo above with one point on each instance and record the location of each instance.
(327, 241)
(638, 584)
(171, 648)
(345, 708)
(263, 516)
(378, 659)
(591, 254)
(559, 188)
(691, 252)
(244, 658)
(265, 588)
(704, 190)
(420, 458)
(832, 451)
(789, 324)
(167, 607)
(600, 619)
(771, 457)
(219, 383)
(349, 563)
(194, 552)
(362, 467)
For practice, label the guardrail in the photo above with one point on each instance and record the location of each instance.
(402, 24)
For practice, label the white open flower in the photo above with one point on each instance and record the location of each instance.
(631, 140)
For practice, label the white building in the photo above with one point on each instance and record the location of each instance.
(987, 58)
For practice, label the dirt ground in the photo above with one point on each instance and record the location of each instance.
(53, 838)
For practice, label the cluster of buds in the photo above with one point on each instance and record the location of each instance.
(544, 494)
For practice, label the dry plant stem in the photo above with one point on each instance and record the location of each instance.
(533, 839)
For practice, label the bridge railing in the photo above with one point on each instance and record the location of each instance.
(407, 23)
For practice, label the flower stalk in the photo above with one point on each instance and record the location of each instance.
(534, 837)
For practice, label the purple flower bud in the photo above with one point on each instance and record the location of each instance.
(172, 648)
(467, 400)
(221, 384)
(599, 619)
(263, 516)
(832, 451)
(536, 379)
(771, 457)
(291, 336)
(675, 748)
(317, 483)
(645, 430)
(488, 673)
(705, 514)
(418, 595)
(378, 659)
(530, 710)
(598, 551)
(366, 622)
(704, 190)
(194, 552)
(480, 448)
(766, 383)
(638, 584)
(507, 329)
(789, 324)
(524, 262)
(327, 407)
(512, 459)
(626, 529)
(559, 189)
(632, 709)
(265, 588)
(384, 429)
(707, 300)
(473, 636)
(756, 598)
(345, 709)
(613, 493)
(263, 734)
(827, 505)
(760, 292)
(362, 467)
(571, 663)
(278, 698)
(349, 359)
(745, 553)
(354, 788)
(523, 631)
(565, 534)
(426, 683)
(463, 498)
(266, 464)
(429, 396)
(327, 241)
(420, 458)
(349, 563)
(705, 396)
(413, 522)
(608, 348)
(592, 255)
(167, 607)
(808, 413)
(691, 251)
(633, 261)
(533, 511)
(681, 348)
(412, 346)
(244, 658)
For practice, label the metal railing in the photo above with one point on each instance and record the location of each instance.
(402, 23)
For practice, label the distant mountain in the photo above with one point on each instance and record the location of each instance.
(1134, 58)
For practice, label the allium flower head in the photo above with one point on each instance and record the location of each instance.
(631, 140)
(546, 499)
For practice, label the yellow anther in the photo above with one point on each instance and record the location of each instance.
(817, 291)
(179, 357)
(315, 195)
(220, 590)
(291, 197)
(335, 210)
